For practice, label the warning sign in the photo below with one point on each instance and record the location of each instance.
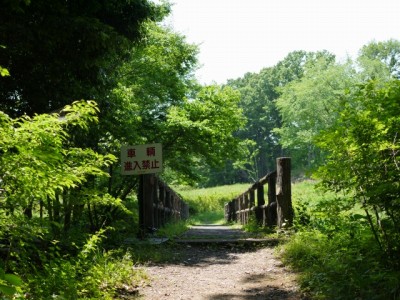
(141, 159)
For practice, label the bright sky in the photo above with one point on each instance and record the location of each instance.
(240, 36)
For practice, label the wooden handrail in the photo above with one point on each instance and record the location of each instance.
(160, 204)
(277, 212)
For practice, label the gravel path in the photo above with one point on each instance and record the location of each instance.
(221, 272)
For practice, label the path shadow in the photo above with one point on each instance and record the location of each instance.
(263, 291)
(204, 254)
(210, 244)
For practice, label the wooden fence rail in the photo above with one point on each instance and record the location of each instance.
(277, 212)
(158, 204)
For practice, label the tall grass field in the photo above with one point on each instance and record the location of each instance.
(206, 205)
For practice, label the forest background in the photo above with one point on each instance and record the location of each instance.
(60, 182)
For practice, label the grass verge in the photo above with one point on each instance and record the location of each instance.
(334, 251)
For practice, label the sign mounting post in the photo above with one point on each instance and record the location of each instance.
(143, 160)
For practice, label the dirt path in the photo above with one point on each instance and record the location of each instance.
(215, 271)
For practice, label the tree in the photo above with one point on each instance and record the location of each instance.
(363, 158)
(309, 105)
(157, 85)
(380, 59)
(258, 95)
(62, 50)
(157, 76)
(201, 131)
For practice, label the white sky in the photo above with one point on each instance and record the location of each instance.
(239, 36)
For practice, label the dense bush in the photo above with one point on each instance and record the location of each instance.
(364, 158)
(335, 252)
(49, 206)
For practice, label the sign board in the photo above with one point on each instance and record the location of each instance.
(141, 159)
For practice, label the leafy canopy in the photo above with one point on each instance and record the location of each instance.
(62, 50)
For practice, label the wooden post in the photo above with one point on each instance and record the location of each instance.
(226, 212)
(271, 210)
(246, 206)
(272, 187)
(146, 217)
(162, 203)
(252, 202)
(141, 233)
(184, 211)
(260, 195)
(235, 209)
(252, 198)
(260, 203)
(175, 206)
(284, 193)
(239, 209)
(169, 204)
(156, 223)
(232, 212)
(244, 201)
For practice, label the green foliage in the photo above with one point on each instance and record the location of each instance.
(259, 92)
(47, 184)
(202, 130)
(4, 72)
(363, 158)
(309, 105)
(289, 104)
(66, 50)
(206, 205)
(257, 95)
(340, 267)
(215, 217)
(94, 273)
(253, 226)
(380, 59)
(59, 179)
(334, 250)
(157, 99)
(173, 229)
(10, 284)
(35, 164)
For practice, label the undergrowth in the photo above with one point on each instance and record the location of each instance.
(93, 273)
(334, 250)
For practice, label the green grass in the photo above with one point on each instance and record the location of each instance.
(211, 218)
(334, 251)
(210, 199)
(206, 205)
(173, 229)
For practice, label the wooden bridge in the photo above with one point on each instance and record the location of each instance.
(159, 204)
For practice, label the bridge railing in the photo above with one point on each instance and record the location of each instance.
(159, 204)
(278, 211)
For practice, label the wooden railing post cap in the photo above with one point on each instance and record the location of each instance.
(283, 158)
